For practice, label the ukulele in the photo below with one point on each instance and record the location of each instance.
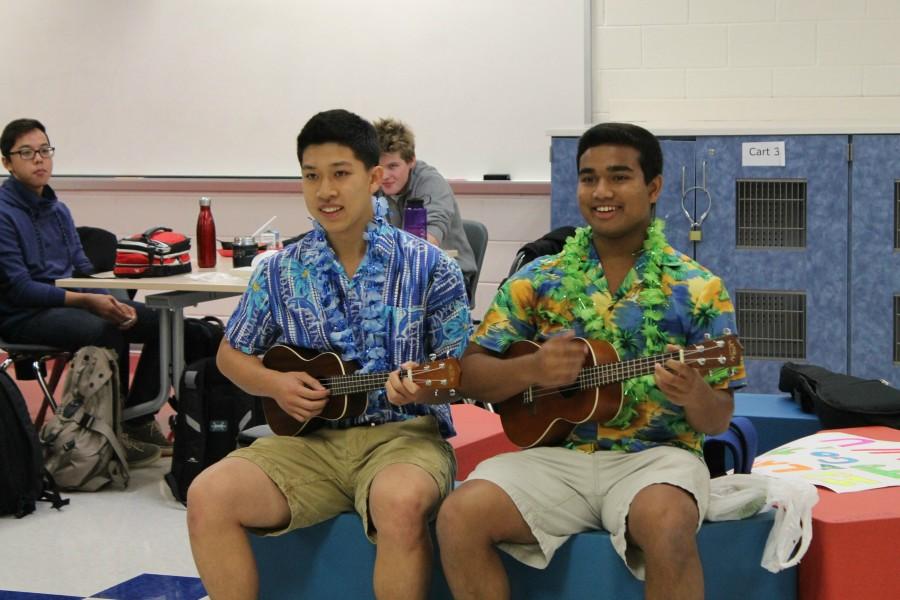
(348, 391)
(542, 416)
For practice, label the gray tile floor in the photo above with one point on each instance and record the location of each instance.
(99, 540)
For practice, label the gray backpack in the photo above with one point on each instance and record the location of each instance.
(82, 447)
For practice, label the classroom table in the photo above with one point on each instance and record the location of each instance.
(172, 294)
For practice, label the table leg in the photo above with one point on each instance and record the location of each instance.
(165, 360)
(171, 343)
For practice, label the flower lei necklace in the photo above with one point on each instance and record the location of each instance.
(365, 342)
(581, 272)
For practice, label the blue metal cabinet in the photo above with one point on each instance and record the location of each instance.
(784, 261)
(786, 268)
(875, 262)
(678, 175)
(564, 183)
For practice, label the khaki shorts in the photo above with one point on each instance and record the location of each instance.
(330, 471)
(561, 492)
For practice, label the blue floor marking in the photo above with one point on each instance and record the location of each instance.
(147, 586)
(11, 595)
(155, 587)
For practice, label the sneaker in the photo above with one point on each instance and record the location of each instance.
(138, 454)
(149, 433)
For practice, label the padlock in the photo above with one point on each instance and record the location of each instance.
(695, 234)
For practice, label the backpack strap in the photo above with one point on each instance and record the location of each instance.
(743, 429)
(50, 492)
(86, 420)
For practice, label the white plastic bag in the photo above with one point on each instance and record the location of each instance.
(739, 496)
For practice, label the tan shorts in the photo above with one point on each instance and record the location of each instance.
(561, 492)
(330, 471)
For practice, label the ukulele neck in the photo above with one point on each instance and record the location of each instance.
(605, 374)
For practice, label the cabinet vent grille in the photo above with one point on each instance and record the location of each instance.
(771, 213)
(772, 325)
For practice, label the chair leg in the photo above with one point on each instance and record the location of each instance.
(48, 388)
(485, 405)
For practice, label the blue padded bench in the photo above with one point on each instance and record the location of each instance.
(777, 418)
(334, 560)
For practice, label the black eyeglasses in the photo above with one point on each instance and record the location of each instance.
(27, 153)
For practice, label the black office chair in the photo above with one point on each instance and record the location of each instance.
(30, 365)
(100, 248)
(477, 234)
(550, 243)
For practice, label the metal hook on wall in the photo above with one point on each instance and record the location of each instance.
(696, 233)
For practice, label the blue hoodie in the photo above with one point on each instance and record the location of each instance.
(38, 245)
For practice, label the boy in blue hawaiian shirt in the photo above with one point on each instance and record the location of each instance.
(370, 293)
(640, 475)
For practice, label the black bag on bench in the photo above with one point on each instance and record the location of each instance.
(841, 400)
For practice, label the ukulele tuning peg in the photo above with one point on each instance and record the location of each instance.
(427, 383)
(707, 336)
(452, 393)
(721, 360)
(726, 331)
(432, 357)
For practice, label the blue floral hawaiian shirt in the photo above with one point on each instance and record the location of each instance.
(425, 307)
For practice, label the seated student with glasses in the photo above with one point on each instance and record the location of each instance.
(38, 245)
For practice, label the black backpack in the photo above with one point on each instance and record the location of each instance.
(23, 478)
(841, 400)
(550, 243)
(202, 337)
(212, 411)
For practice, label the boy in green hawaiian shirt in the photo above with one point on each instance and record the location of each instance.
(640, 475)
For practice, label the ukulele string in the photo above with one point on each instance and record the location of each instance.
(594, 380)
(355, 383)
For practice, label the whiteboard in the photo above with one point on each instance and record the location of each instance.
(222, 87)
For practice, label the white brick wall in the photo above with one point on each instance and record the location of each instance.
(636, 83)
(881, 81)
(882, 9)
(818, 10)
(732, 11)
(759, 45)
(741, 62)
(682, 46)
(617, 48)
(729, 83)
(817, 81)
(871, 42)
(645, 12)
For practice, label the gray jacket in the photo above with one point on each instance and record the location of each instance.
(444, 220)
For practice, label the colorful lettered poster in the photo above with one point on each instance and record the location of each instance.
(841, 462)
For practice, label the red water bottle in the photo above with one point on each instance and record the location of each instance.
(206, 236)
